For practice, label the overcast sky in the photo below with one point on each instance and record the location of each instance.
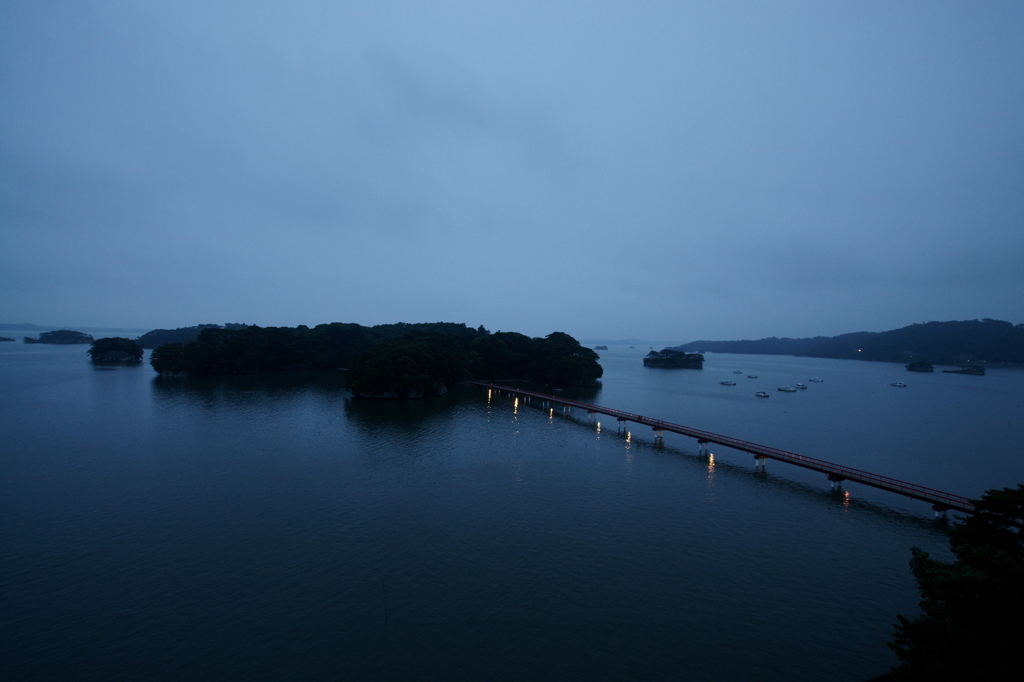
(663, 170)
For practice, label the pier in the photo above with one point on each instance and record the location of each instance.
(836, 474)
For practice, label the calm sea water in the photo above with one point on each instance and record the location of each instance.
(270, 527)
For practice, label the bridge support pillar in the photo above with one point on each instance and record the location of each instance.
(591, 416)
(702, 448)
(659, 436)
(940, 511)
(620, 425)
(836, 481)
(760, 462)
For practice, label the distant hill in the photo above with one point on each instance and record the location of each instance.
(24, 326)
(944, 343)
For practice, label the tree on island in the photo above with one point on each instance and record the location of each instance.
(560, 359)
(400, 360)
(417, 365)
(114, 350)
(167, 359)
(674, 359)
(970, 628)
(424, 364)
(554, 359)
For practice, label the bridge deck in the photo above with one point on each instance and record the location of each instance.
(917, 492)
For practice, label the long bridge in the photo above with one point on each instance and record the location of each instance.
(836, 473)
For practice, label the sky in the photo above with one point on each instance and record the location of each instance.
(659, 170)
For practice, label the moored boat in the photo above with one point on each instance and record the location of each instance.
(762, 394)
(787, 389)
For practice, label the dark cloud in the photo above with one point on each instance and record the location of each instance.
(734, 168)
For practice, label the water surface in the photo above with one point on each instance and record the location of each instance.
(270, 527)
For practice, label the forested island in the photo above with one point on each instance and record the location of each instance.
(674, 359)
(115, 350)
(386, 361)
(947, 343)
(61, 337)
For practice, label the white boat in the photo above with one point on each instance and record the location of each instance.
(762, 394)
(898, 384)
(728, 383)
(816, 380)
(787, 389)
(737, 371)
(800, 386)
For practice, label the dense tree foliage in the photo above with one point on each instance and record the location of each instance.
(970, 628)
(418, 364)
(158, 337)
(937, 342)
(555, 359)
(386, 360)
(115, 349)
(559, 359)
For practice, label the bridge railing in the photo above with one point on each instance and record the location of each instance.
(921, 492)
